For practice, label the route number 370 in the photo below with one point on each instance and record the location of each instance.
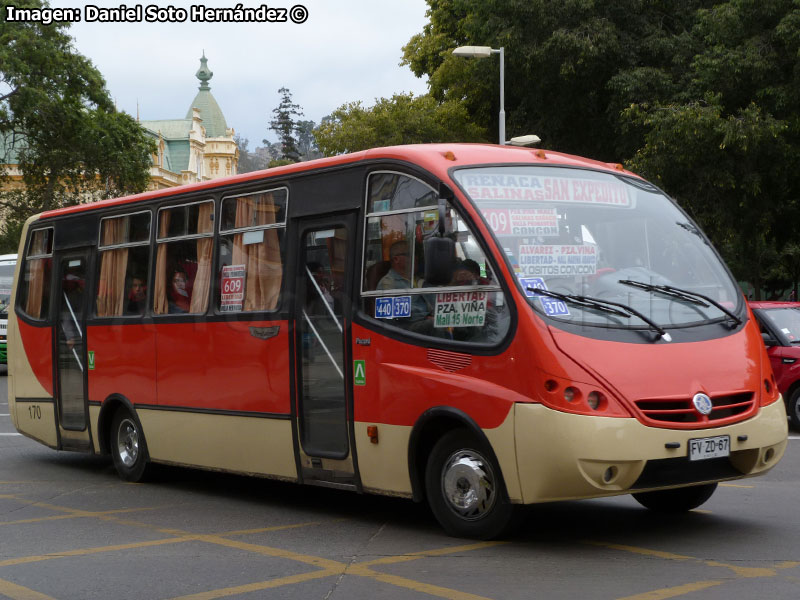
(34, 411)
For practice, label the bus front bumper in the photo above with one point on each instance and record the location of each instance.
(563, 456)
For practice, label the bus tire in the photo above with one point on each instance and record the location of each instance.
(794, 409)
(677, 500)
(128, 447)
(465, 488)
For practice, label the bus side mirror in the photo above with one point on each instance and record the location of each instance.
(440, 260)
(440, 251)
(769, 340)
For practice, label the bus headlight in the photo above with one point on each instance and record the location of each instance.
(595, 400)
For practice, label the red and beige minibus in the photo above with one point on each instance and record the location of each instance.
(477, 326)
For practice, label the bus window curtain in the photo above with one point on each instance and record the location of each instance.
(36, 274)
(262, 259)
(160, 304)
(202, 280)
(113, 264)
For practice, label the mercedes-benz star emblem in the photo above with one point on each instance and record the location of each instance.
(702, 404)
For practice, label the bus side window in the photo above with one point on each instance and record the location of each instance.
(34, 295)
(124, 256)
(185, 239)
(466, 305)
(252, 233)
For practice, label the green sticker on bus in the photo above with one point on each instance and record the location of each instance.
(91, 360)
(359, 372)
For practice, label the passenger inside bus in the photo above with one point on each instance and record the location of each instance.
(137, 295)
(399, 275)
(178, 296)
(467, 272)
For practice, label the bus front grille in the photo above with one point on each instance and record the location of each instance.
(680, 413)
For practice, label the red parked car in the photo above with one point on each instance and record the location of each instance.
(780, 329)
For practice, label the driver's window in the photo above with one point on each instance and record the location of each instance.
(466, 304)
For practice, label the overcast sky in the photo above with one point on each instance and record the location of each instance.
(346, 50)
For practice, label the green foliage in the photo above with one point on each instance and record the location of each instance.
(280, 162)
(58, 119)
(726, 145)
(306, 142)
(401, 119)
(285, 125)
(701, 96)
(570, 65)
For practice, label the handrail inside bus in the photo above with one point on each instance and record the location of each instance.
(324, 347)
(324, 300)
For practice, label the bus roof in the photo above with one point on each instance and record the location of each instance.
(436, 158)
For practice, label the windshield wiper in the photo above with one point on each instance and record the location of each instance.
(615, 308)
(687, 295)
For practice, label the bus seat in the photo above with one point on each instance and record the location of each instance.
(374, 274)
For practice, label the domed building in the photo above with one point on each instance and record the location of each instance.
(198, 147)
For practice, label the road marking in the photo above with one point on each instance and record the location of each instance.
(671, 592)
(411, 584)
(255, 587)
(87, 551)
(679, 590)
(337, 568)
(644, 551)
(328, 567)
(745, 572)
(5, 414)
(10, 434)
(734, 485)
(19, 482)
(388, 560)
(17, 592)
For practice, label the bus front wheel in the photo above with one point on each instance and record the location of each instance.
(676, 500)
(128, 448)
(465, 488)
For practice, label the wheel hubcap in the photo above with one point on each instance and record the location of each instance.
(468, 484)
(128, 442)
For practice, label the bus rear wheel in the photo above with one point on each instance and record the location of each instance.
(128, 448)
(677, 500)
(465, 488)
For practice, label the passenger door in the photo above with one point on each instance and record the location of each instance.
(324, 406)
(71, 359)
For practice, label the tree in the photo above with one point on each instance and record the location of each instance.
(561, 60)
(248, 161)
(704, 100)
(306, 142)
(284, 124)
(57, 118)
(727, 145)
(401, 119)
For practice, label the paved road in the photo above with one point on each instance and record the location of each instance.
(70, 529)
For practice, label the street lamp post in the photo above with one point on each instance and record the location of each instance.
(485, 52)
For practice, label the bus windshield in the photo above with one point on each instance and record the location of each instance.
(635, 259)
